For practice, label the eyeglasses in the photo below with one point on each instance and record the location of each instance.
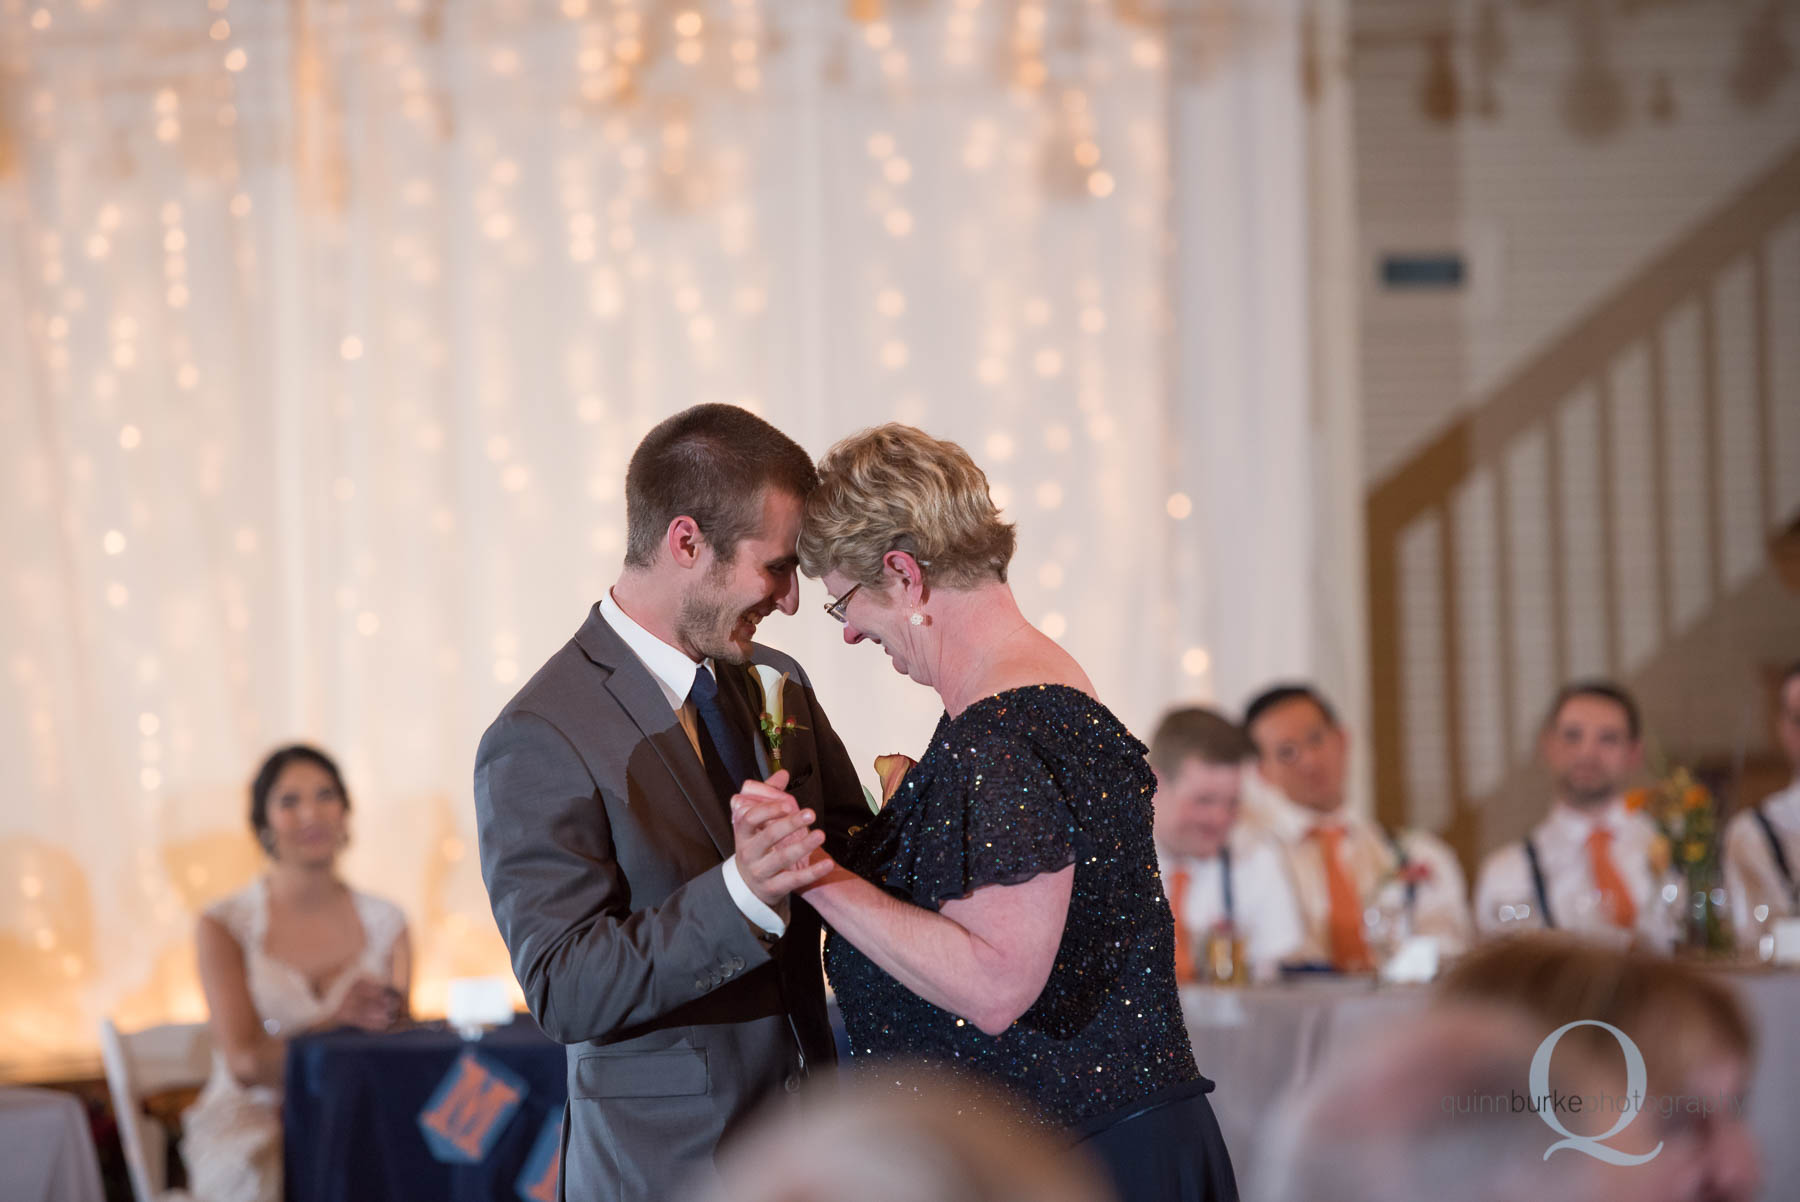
(836, 608)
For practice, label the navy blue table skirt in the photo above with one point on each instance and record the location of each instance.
(401, 1117)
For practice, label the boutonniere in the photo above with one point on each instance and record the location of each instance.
(1413, 872)
(892, 770)
(773, 721)
(1408, 874)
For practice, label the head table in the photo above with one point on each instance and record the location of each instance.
(1257, 1042)
(426, 1114)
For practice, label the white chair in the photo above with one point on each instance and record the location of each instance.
(142, 1063)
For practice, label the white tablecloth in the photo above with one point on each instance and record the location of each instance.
(1257, 1042)
(46, 1149)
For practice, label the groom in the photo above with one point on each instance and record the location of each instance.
(668, 957)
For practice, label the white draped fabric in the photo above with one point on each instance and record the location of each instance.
(329, 327)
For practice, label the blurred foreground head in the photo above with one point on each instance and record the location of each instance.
(1423, 1112)
(1697, 1043)
(866, 1141)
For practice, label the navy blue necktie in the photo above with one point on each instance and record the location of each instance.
(724, 745)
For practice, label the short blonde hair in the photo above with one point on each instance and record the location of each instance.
(897, 488)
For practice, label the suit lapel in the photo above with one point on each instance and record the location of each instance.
(643, 701)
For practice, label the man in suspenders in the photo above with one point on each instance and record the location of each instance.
(1342, 862)
(1590, 865)
(1216, 873)
(1762, 843)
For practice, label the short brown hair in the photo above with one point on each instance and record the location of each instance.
(1559, 978)
(1201, 733)
(897, 488)
(712, 463)
(1605, 690)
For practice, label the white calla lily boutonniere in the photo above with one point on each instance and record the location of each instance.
(774, 722)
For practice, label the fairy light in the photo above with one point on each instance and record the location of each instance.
(1030, 333)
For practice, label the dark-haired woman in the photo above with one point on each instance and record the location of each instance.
(295, 950)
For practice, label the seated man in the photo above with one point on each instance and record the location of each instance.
(1762, 843)
(1218, 876)
(1342, 863)
(1592, 866)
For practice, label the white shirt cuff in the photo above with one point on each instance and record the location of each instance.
(751, 905)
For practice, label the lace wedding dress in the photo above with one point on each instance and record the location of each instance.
(231, 1135)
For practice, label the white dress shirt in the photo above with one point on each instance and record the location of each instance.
(673, 672)
(1506, 898)
(1440, 902)
(1263, 906)
(1751, 875)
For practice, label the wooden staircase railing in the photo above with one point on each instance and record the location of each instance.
(1427, 486)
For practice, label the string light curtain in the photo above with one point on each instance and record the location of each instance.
(329, 329)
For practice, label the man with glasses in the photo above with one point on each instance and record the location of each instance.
(666, 953)
(1358, 884)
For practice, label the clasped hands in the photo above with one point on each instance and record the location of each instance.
(369, 1005)
(778, 851)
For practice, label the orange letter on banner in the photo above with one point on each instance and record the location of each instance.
(544, 1190)
(470, 1107)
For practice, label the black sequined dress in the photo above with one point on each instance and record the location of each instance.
(1021, 783)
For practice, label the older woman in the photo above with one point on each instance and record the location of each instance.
(295, 950)
(1002, 916)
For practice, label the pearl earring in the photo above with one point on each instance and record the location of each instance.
(917, 619)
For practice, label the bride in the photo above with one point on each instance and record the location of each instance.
(295, 950)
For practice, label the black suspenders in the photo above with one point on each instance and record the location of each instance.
(1225, 885)
(1537, 883)
(1781, 860)
(1401, 863)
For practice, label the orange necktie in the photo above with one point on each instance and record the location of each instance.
(1348, 951)
(1613, 893)
(1184, 955)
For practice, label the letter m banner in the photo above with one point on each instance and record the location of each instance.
(469, 1109)
(537, 1183)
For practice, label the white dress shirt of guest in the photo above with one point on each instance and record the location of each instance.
(1214, 872)
(1302, 759)
(1762, 845)
(1258, 903)
(1590, 846)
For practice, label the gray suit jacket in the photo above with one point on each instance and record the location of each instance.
(602, 843)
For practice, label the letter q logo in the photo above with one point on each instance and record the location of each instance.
(1635, 1080)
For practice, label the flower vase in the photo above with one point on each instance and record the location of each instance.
(1706, 920)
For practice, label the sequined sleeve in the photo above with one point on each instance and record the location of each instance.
(1000, 819)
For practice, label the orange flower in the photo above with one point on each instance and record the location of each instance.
(1659, 855)
(1693, 798)
(1637, 799)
